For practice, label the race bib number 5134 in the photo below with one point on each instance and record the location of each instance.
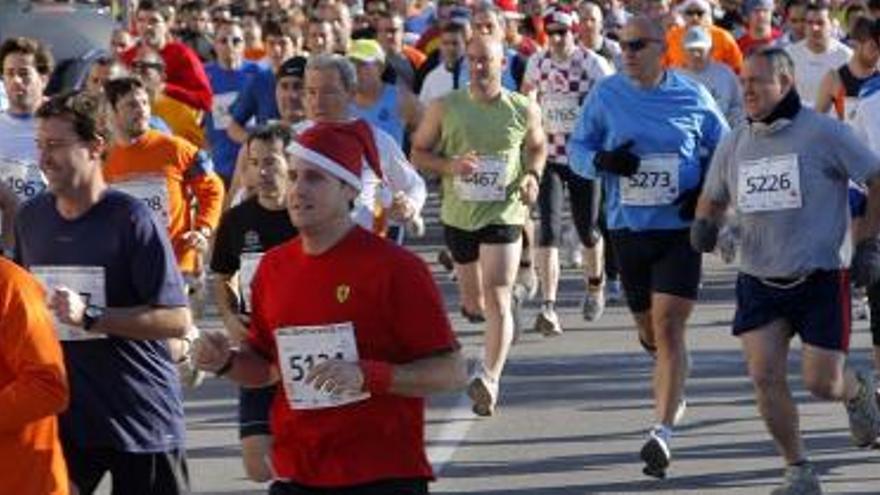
(302, 348)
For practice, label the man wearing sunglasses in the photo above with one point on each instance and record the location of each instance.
(648, 135)
(228, 76)
(699, 13)
(789, 168)
(559, 79)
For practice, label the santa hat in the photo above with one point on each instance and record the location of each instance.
(561, 14)
(339, 148)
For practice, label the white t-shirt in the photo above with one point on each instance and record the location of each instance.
(865, 123)
(810, 68)
(438, 83)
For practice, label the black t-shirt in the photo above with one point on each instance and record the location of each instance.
(248, 228)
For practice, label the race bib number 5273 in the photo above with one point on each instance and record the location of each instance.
(655, 183)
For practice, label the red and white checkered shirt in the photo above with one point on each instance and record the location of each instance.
(561, 88)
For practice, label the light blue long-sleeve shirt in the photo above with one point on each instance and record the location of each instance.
(677, 117)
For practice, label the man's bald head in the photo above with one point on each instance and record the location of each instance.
(485, 57)
(646, 27)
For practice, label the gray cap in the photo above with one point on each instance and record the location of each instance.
(697, 37)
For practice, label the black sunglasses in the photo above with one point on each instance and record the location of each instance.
(139, 66)
(635, 45)
(235, 40)
(694, 13)
(559, 31)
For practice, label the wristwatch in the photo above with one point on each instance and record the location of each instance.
(91, 316)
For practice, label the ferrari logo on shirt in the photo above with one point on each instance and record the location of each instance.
(342, 293)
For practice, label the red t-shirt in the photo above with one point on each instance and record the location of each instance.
(747, 44)
(185, 76)
(387, 293)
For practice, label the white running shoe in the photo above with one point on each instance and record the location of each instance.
(656, 455)
(547, 322)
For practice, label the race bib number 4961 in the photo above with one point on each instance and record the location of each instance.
(302, 348)
(87, 281)
(769, 184)
(655, 183)
(23, 178)
(488, 183)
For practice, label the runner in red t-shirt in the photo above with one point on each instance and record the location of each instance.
(354, 329)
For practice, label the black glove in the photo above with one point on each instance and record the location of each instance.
(704, 235)
(687, 203)
(865, 267)
(620, 160)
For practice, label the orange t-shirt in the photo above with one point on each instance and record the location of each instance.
(255, 54)
(33, 389)
(724, 48)
(188, 175)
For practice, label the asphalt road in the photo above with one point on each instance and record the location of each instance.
(574, 412)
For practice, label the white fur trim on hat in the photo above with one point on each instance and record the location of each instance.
(325, 163)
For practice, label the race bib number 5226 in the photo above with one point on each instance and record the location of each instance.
(769, 184)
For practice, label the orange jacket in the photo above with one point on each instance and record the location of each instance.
(33, 389)
(189, 176)
(724, 48)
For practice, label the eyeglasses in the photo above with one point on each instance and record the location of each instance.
(140, 66)
(235, 40)
(635, 45)
(694, 13)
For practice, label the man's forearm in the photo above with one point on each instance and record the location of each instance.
(428, 161)
(870, 227)
(443, 373)
(250, 369)
(144, 323)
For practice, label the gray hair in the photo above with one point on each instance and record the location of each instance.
(779, 60)
(338, 63)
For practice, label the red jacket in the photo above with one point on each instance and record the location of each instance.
(185, 77)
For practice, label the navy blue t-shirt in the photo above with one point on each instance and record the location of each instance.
(124, 394)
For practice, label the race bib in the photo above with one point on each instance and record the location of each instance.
(301, 348)
(153, 191)
(655, 184)
(220, 110)
(23, 178)
(488, 183)
(560, 113)
(248, 268)
(88, 281)
(769, 184)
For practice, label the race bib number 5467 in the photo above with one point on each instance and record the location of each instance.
(488, 183)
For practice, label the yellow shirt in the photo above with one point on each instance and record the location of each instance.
(184, 120)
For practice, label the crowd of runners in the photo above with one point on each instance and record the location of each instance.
(273, 158)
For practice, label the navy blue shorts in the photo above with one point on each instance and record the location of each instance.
(818, 309)
(253, 410)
